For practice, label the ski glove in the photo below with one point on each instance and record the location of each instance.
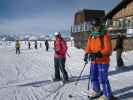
(114, 49)
(99, 54)
(93, 56)
(86, 58)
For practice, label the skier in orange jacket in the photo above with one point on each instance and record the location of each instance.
(99, 48)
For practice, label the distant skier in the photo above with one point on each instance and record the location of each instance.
(46, 45)
(119, 50)
(99, 49)
(40, 45)
(35, 44)
(17, 47)
(29, 45)
(60, 48)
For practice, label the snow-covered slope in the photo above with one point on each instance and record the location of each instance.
(25, 76)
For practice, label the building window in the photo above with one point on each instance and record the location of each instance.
(117, 24)
(132, 23)
(114, 23)
(124, 23)
(121, 23)
(127, 23)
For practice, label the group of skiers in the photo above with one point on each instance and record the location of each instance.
(98, 50)
(17, 45)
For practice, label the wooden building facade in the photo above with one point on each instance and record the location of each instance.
(82, 25)
(121, 17)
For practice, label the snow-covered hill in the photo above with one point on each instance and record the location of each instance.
(25, 76)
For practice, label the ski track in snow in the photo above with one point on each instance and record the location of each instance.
(24, 76)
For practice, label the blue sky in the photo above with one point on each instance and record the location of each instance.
(44, 16)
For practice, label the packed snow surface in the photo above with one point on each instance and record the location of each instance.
(27, 76)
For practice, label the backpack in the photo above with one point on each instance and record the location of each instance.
(62, 45)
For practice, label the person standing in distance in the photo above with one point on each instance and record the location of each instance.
(46, 45)
(119, 49)
(29, 45)
(17, 47)
(36, 44)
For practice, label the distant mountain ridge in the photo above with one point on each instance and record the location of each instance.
(37, 36)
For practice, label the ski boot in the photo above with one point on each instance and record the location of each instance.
(56, 79)
(94, 95)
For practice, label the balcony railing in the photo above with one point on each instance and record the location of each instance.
(84, 27)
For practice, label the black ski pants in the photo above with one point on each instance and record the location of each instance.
(47, 47)
(17, 50)
(59, 64)
(120, 62)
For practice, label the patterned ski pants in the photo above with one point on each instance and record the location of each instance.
(99, 75)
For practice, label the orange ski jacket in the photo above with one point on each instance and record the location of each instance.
(102, 44)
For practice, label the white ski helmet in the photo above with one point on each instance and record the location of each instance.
(57, 33)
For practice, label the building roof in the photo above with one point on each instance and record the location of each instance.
(116, 9)
(86, 15)
(89, 11)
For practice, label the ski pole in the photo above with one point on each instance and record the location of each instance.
(80, 74)
(70, 95)
(89, 79)
(68, 65)
(61, 68)
(69, 71)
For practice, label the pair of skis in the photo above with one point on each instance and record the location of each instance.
(90, 98)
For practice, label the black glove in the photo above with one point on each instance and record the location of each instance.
(93, 56)
(99, 54)
(86, 58)
(114, 49)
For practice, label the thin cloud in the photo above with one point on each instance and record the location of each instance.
(42, 16)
